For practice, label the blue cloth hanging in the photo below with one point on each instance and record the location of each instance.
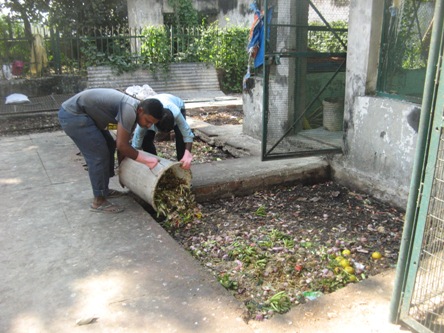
(256, 45)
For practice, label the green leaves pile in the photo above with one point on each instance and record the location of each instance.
(174, 201)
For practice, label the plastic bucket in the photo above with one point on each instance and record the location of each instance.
(143, 181)
(333, 114)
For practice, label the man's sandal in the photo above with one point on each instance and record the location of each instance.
(107, 207)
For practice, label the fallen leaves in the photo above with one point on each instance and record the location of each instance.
(270, 243)
(219, 115)
(202, 152)
(174, 201)
(278, 247)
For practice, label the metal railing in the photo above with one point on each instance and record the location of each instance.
(61, 52)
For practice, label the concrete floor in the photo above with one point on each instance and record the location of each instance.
(61, 263)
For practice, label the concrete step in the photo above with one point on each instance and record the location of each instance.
(242, 176)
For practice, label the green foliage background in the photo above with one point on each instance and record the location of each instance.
(185, 37)
(11, 51)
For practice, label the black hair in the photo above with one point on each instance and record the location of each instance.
(153, 107)
(166, 124)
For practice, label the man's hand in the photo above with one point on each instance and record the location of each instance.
(186, 160)
(149, 161)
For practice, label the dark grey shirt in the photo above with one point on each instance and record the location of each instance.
(105, 106)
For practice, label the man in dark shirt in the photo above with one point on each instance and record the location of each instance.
(87, 117)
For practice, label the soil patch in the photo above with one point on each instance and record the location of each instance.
(202, 152)
(225, 115)
(282, 246)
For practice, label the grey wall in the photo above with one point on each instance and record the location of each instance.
(235, 12)
(143, 13)
(379, 133)
(252, 108)
(380, 143)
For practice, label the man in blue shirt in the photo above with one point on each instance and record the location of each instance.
(87, 118)
(173, 119)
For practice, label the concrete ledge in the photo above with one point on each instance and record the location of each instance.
(246, 175)
(178, 78)
(212, 103)
(227, 137)
(29, 123)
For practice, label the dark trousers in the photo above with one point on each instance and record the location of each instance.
(148, 141)
(97, 147)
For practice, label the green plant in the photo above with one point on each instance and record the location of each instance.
(326, 41)
(279, 302)
(306, 244)
(265, 243)
(155, 49)
(224, 48)
(19, 50)
(183, 13)
(409, 47)
(277, 235)
(288, 243)
(261, 211)
(118, 57)
(227, 282)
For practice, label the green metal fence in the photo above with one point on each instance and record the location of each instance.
(71, 51)
(418, 298)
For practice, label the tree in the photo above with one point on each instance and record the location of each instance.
(103, 13)
(72, 14)
(27, 11)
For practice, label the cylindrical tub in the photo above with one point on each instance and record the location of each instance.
(143, 181)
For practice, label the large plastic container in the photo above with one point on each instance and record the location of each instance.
(333, 114)
(143, 181)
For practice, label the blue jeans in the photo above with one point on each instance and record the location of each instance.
(97, 147)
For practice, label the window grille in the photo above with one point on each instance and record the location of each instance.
(405, 46)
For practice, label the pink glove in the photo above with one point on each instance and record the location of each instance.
(149, 161)
(186, 160)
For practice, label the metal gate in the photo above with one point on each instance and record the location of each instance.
(304, 77)
(418, 299)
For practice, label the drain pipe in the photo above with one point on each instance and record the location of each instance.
(417, 174)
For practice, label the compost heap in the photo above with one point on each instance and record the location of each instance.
(175, 201)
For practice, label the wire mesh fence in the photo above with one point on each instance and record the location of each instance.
(427, 301)
(306, 56)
